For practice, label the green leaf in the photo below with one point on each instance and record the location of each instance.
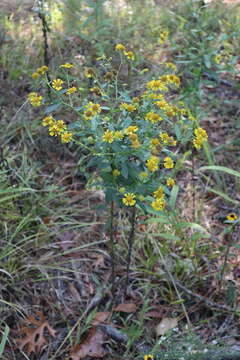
(220, 168)
(4, 339)
(52, 108)
(173, 197)
(166, 236)
(224, 196)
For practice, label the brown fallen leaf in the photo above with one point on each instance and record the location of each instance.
(101, 317)
(165, 325)
(126, 307)
(91, 346)
(153, 314)
(33, 338)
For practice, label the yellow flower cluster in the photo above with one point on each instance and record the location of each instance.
(159, 202)
(153, 163)
(128, 54)
(96, 90)
(153, 117)
(35, 99)
(170, 79)
(201, 136)
(40, 71)
(57, 128)
(128, 107)
(66, 66)
(57, 84)
(167, 140)
(163, 36)
(92, 109)
(168, 163)
(129, 199)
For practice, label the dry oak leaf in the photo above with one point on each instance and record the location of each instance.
(165, 325)
(33, 334)
(91, 346)
(101, 317)
(126, 307)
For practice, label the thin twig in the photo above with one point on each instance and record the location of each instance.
(208, 302)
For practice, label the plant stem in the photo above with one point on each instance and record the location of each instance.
(130, 245)
(45, 31)
(229, 244)
(112, 254)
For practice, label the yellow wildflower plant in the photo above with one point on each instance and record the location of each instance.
(57, 84)
(157, 85)
(129, 199)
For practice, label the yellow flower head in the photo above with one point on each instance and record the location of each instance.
(118, 135)
(232, 217)
(158, 204)
(168, 163)
(35, 99)
(153, 163)
(66, 137)
(89, 73)
(116, 172)
(41, 70)
(47, 121)
(153, 117)
(120, 47)
(170, 182)
(35, 75)
(108, 136)
(159, 193)
(57, 84)
(135, 144)
(130, 55)
(143, 175)
(129, 199)
(156, 85)
(128, 107)
(96, 109)
(96, 90)
(61, 126)
(66, 66)
(53, 130)
(88, 114)
(71, 90)
(148, 357)
(130, 130)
